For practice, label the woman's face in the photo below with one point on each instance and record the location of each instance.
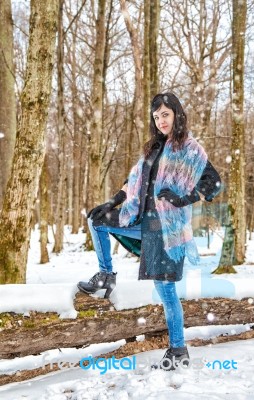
(164, 119)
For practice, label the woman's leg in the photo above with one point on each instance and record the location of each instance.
(101, 241)
(173, 312)
(105, 279)
(177, 353)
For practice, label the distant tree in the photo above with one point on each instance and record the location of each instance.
(95, 147)
(77, 140)
(153, 46)
(60, 217)
(150, 60)
(137, 123)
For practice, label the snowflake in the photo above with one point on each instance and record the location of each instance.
(210, 316)
(141, 321)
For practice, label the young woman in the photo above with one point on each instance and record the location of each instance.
(155, 219)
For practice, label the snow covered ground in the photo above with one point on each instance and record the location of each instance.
(52, 287)
(196, 382)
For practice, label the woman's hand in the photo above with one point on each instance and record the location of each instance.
(101, 210)
(178, 201)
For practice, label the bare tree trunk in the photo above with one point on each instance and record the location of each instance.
(82, 184)
(153, 52)
(128, 137)
(76, 145)
(7, 96)
(150, 60)
(227, 253)
(97, 106)
(61, 197)
(234, 252)
(29, 150)
(88, 243)
(44, 212)
(76, 176)
(69, 183)
(94, 148)
(237, 167)
(116, 247)
(137, 57)
(146, 71)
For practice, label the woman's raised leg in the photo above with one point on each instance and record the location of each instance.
(105, 278)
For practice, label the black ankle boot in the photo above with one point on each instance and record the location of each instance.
(101, 280)
(172, 358)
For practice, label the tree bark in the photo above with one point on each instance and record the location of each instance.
(227, 253)
(7, 97)
(97, 323)
(29, 150)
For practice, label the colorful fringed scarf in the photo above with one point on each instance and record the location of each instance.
(179, 171)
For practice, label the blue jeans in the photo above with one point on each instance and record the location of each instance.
(167, 291)
(173, 311)
(101, 241)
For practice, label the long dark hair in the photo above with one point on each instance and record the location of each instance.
(180, 130)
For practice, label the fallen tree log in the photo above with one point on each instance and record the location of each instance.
(99, 322)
